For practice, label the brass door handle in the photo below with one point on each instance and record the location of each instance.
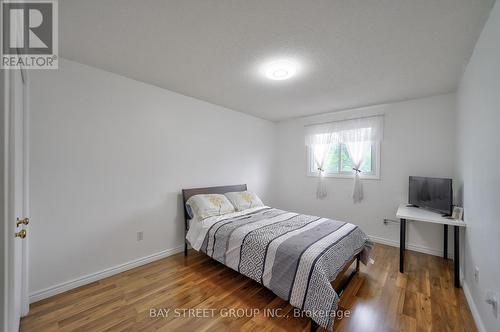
(23, 221)
(21, 234)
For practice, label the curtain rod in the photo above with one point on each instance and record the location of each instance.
(358, 118)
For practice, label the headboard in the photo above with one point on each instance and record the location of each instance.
(187, 193)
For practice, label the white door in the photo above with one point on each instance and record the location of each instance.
(16, 117)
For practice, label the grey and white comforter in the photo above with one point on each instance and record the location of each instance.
(296, 256)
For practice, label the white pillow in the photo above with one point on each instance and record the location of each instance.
(243, 200)
(208, 205)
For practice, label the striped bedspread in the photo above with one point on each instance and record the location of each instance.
(296, 256)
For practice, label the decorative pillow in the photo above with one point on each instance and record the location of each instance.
(208, 205)
(243, 200)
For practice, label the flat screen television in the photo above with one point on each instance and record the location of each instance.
(435, 194)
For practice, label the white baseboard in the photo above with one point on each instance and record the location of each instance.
(68, 285)
(65, 286)
(473, 308)
(413, 247)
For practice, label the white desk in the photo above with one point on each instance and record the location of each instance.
(421, 215)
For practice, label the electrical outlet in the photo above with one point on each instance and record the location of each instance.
(140, 236)
(476, 274)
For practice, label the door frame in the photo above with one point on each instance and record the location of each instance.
(3, 182)
(9, 216)
(25, 302)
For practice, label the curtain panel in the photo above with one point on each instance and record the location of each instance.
(355, 134)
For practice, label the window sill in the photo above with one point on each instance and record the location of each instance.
(345, 176)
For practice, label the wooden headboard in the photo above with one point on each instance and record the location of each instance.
(187, 193)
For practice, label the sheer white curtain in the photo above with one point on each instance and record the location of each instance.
(321, 145)
(356, 134)
(356, 146)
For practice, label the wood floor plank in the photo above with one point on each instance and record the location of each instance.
(379, 298)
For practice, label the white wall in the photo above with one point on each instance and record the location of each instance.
(419, 137)
(109, 156)
(478, 141)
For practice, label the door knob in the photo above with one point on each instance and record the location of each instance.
(23, 221)
(21, 234)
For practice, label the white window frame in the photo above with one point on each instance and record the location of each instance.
(374, 175)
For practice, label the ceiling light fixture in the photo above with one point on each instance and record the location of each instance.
(280, 70)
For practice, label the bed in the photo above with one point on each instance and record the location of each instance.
(302, 259)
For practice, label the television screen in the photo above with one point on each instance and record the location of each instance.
(431, 193)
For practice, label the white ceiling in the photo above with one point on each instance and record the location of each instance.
(353, 53)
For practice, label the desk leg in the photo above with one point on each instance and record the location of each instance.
(402, 244)
(457, 256)
(445, 241)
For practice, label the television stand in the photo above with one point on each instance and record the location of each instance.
(405, 213)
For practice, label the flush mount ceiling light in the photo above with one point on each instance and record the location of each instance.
(280, 70)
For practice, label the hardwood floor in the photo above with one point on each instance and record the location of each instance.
(379, 298)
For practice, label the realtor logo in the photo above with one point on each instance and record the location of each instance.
(29, 34)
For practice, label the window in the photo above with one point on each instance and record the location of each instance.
(336, 148)
(338, 162)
